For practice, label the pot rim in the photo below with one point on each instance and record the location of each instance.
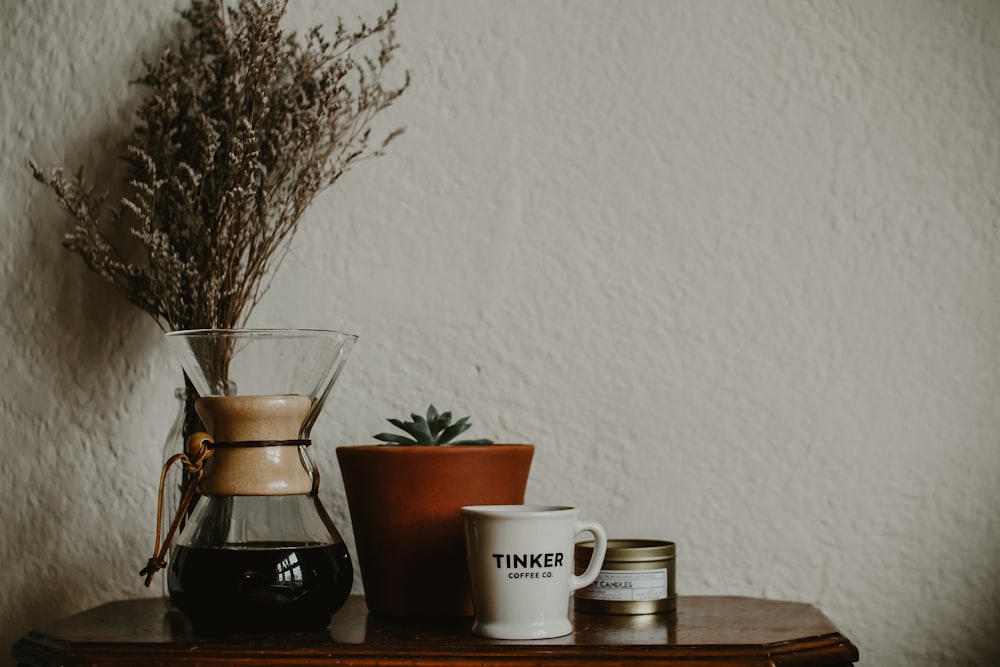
(431, 448)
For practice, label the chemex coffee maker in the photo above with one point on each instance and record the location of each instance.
(250, 547)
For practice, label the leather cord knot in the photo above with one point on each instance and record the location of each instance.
(198, 451)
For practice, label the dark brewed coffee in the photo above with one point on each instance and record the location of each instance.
(258, 588)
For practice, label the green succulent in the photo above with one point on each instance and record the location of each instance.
(430, 431)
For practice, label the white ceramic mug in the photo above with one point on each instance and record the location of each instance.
(521, 568)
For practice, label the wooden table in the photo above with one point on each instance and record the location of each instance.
(717, 631)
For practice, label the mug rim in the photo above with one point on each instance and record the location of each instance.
(527, 509)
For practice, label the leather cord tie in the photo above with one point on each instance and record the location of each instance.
(198, 451)
(259, 443)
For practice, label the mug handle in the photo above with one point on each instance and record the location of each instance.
(596, 558)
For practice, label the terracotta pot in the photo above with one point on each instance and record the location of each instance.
(408, 531)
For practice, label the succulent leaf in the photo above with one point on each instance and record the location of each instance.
(410, 428)
(422, 432)
(478, 442)
(455, 429)
(395, 439)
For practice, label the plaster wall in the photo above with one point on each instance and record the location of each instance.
(734, 267)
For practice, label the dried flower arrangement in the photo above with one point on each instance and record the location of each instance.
(243, 127)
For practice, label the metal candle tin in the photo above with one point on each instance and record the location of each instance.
(637, 578)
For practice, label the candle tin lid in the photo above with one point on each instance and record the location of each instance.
(630, 551)
(637, 577)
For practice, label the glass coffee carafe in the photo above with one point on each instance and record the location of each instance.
(257, 551)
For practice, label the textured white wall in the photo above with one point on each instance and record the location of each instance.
(733, 266)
